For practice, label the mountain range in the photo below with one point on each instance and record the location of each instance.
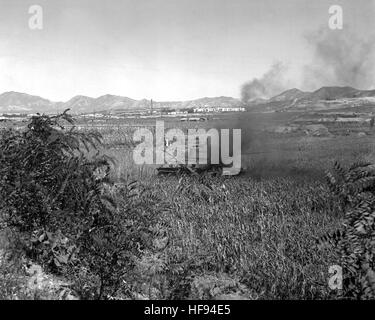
(15, 102)
(321, 99)
(324, 93)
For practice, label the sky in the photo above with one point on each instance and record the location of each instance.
(161, 49)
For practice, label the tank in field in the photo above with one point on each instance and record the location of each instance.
(175, 168)
(215, 169)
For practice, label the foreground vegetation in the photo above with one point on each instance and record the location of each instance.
(72, 229)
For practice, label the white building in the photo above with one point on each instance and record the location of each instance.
(219, 109)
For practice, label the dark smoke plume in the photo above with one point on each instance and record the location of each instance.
(340, 58)
(270, 84)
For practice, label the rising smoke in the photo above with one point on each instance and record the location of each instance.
(339, 58)
(271, 83)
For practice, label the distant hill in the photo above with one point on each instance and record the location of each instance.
(290, 94)
(334, 93)
(324, 93)
(15, 102)
(213, 102)
(78, 103)
(295, 99)
(110, 102)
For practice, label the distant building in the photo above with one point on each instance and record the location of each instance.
(94, 115)
(177, 112)
(219, 109)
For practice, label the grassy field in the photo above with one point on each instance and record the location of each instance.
(251, 236)
(264, 152)
(246, 237)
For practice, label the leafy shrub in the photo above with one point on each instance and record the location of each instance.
(65, 211)
(10, 283)
(354, 242)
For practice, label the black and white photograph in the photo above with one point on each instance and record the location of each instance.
(208, 151)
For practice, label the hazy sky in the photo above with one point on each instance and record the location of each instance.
(160, 49)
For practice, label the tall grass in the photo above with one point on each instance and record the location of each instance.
(210, 237)
(259, 234)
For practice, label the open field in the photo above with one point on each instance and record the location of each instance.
(246, 237)
(266, 152)
(258, 230)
